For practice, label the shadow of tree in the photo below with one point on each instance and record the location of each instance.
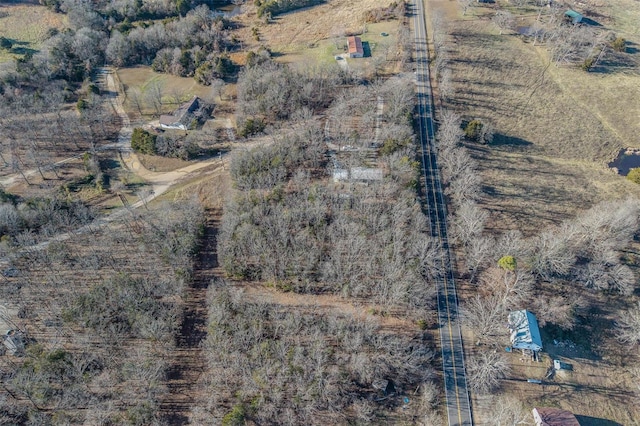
(500, 139)
(594, 421)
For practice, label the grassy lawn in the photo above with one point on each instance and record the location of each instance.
(174, 88)
(26, 25)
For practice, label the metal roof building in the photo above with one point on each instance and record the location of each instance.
(525, 333)
(573, 16)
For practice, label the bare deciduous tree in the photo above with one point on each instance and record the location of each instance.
(628, 326)
(504, 20)
(484, 371)
(484, 316)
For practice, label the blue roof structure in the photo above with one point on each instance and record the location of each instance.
(573, 15)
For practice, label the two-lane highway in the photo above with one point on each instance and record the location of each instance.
(455, 383)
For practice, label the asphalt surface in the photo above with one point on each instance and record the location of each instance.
(457, 393)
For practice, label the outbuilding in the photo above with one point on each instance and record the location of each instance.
(573, 16)
(355, 49)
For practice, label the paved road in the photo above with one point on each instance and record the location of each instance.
(457, 394)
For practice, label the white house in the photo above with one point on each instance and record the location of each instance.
(525, 333)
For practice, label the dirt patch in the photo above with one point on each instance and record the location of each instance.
(156, 163)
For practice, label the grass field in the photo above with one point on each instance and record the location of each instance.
(309, 34)
(26, 25)
(174, 88)
(556, 127)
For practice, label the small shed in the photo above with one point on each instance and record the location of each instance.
(562, 366)
(547, 416)
(573, 16)
(355, 49)
(525, 333)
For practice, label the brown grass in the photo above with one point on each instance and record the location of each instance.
(308, 33)
(28, 24)
(173, 87)
(556, 126)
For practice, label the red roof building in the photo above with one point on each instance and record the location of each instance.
(355, 47)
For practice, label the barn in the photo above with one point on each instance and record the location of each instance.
(354, 44)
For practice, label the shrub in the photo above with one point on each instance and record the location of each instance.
(634, 175)
(82, 104)
(5, 43)
(251, 126)
(619, 44)
(143, 141)
(507, 263)
(390, 146)
(235, 417)
(473, 131)
(587, 64)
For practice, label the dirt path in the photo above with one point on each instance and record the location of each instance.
(188, 361)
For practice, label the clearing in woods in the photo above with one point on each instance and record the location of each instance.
(188, 360)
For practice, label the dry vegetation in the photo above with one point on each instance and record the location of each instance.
(27, 26)
(99, 311)
(556, 126)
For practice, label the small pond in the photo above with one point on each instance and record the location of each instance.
(626, 160)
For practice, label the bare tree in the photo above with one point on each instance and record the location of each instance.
(485, 370)
(509, 411)
(628, 326)
(484, 316)
(468, 222)
(504, 20)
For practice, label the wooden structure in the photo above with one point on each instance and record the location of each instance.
(355, 49)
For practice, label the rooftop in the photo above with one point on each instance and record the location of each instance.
(547, 416)
(355, 44)
(525, 333)
(572, 14)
